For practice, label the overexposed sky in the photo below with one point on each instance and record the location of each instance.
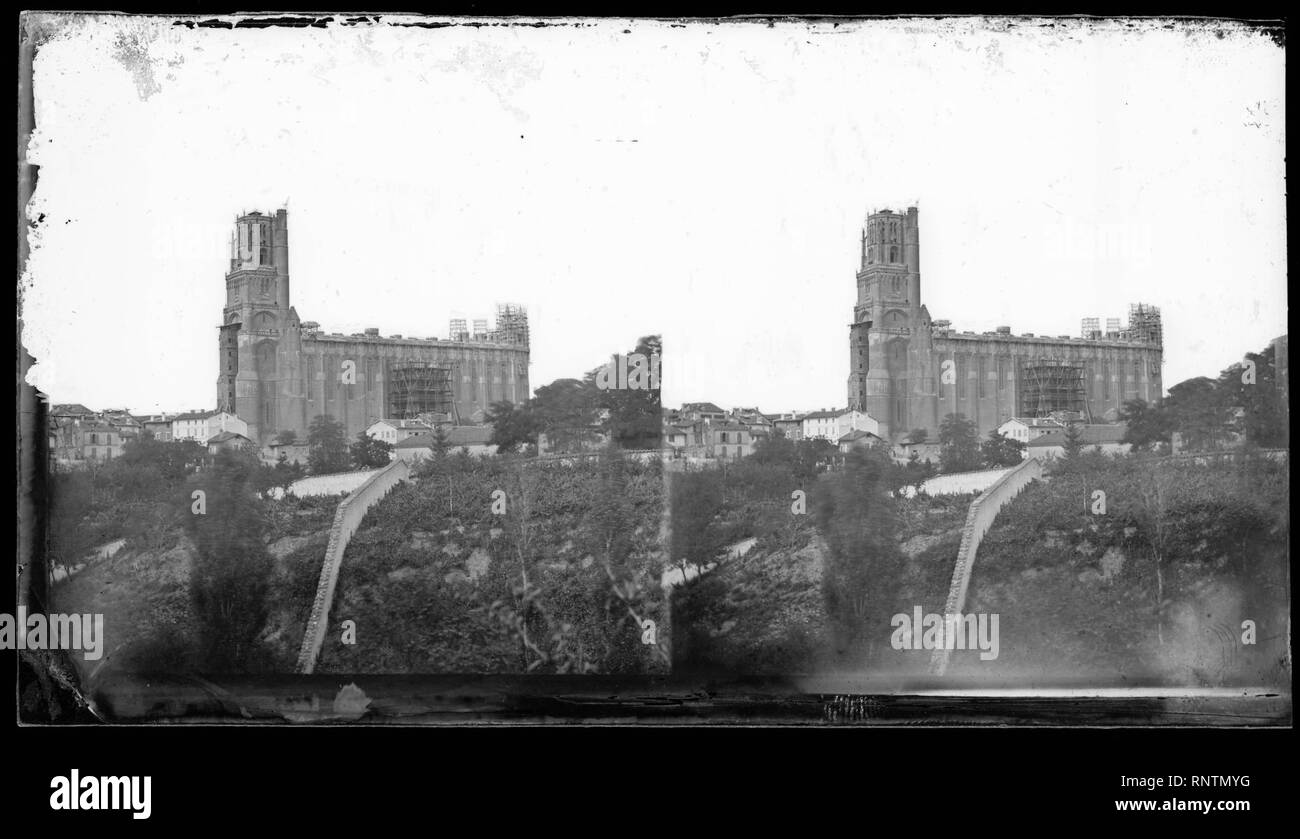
(705, 181)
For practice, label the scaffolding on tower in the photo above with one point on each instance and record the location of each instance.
(417, 388)
(1144, 324)
(511, 324)
(1051, 387)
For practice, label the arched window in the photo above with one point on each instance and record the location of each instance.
(893, 253)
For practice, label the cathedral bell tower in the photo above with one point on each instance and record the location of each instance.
(889, 332)
(256, 321)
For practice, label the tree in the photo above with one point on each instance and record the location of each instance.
(1199, 413)
(959, 444)
(287, 437)
(565, 411)
(1073, 445)
(856, 516)
(327, 447)
(512, 425)
(440, 444)
(370, 452)
(635, 417)
(917, 435)
(286, 473)
(1263, 421)
(70, 500)
(695, 499)
(231, 570)
(168, 461)
(1147, 425)
(1000, 450)
(1155, 498)
(918, 471)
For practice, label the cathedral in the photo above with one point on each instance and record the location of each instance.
(277, 372)
(908, 371)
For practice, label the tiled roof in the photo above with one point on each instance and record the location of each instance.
(461, 435)
(226, 435)
(1036, 422)
(71, 408)
(1090, 435)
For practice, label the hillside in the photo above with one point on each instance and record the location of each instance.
(143, 590)
(765, 612)
(1083, 599)
(440, 579)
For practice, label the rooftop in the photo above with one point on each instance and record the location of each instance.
(460, 435)
(1037, 422)
(1090, 435)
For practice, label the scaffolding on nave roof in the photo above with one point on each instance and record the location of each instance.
(1047, 387)
(419, 387)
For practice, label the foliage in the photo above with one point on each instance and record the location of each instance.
(959, 444)
(801, 459)
(231, 571)
(440, 444)
(913, 473)
(1147, 426)
(918, 435)
(327, 447)
(1210, 414)
(1108, 593)
(1000, 450)
(634, 419)
(512, 426)
(370, 452)
(856, 515)
(554, 582)
(565, 410)
(1073, 445)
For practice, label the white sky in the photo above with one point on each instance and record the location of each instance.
(702, 181)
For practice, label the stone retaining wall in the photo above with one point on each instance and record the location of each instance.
(979, 518)
(347, 518)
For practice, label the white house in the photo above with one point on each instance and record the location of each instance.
(856, 421)
(394, 431)
(822, 425)
(220, 421)
(832, 425)
(1025, 429)
(201, 426)
(192, 425)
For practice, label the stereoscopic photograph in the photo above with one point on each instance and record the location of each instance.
(379, 369)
